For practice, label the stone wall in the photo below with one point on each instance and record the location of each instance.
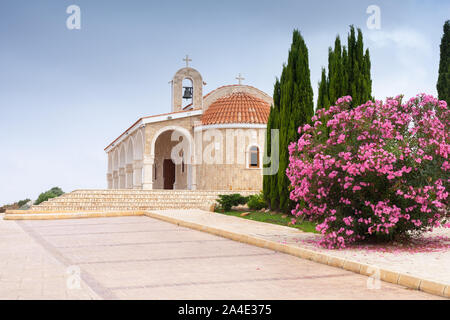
(230, 172)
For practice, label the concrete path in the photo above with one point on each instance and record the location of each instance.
(426, 259)
(145, 258)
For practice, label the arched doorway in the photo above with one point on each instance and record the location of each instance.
(172, 168)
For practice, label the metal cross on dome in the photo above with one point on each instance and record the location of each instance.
(240, 78)
(187, 60)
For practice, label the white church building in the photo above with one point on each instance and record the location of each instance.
(206, 142)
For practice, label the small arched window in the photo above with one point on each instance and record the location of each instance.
(254, 157)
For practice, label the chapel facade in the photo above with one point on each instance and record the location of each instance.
(207, 142)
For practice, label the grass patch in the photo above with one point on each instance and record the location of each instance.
(271, 217)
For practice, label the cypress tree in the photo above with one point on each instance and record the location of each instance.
(273, 192)
(345, 72)
(443, 84)
(348, 70)
(267, 155)
(269, 181)
(293, 107)
(358, 68)
(323, 96)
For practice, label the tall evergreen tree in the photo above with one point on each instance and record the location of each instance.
(443, 84)
(293, 107)
(269, 181)
(323, 96)
(348, 71)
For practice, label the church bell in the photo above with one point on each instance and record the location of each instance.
(187, 93)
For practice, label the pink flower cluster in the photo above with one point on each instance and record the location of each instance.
(382, 171)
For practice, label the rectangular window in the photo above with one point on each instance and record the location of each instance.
(254, 157)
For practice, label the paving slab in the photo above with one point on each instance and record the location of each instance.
(429, 264)
(29, 271)
(145, 258)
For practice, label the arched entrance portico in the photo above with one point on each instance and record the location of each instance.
(171, 155)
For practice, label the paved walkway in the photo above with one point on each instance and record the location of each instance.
(427, 259)
(145, 258)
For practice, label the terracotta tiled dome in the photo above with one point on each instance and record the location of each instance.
(239, 107)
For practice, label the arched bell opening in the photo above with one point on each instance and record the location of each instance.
(188, 92)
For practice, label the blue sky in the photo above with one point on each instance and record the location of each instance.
(66, 94)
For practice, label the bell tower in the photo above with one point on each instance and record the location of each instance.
(187, 88)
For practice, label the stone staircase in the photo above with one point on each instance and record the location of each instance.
(130, 200)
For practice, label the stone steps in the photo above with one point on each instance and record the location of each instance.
(150, 196)
(131, 200)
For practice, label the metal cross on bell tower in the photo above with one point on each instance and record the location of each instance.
(240, 78)
(187, 60)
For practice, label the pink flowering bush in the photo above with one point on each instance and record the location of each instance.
(381, 173)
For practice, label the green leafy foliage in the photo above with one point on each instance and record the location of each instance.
(227, 201)
(52, 193)
(256, 202)
(23, 202)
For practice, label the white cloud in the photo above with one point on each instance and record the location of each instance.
(400, 39)
(403, 62)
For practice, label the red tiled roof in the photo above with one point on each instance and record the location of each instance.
(239, 107)
(221, 87)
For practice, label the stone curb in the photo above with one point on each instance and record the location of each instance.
(394, 277)
(28, 212)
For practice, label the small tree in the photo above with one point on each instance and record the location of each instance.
(57, 191)
(52, 193)
(23, 202)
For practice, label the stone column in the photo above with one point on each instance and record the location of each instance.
(109, 179)
(129, 176)
(193, 177)
(137, 174)
(148, 167)
(177, 173)
(122, 179)
(115, 180)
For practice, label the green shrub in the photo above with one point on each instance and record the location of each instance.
(227, 201)
(23, 202)
(52, 193)
(57, 191)
(256, 202)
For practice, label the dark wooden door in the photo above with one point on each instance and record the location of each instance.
(168, 173)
